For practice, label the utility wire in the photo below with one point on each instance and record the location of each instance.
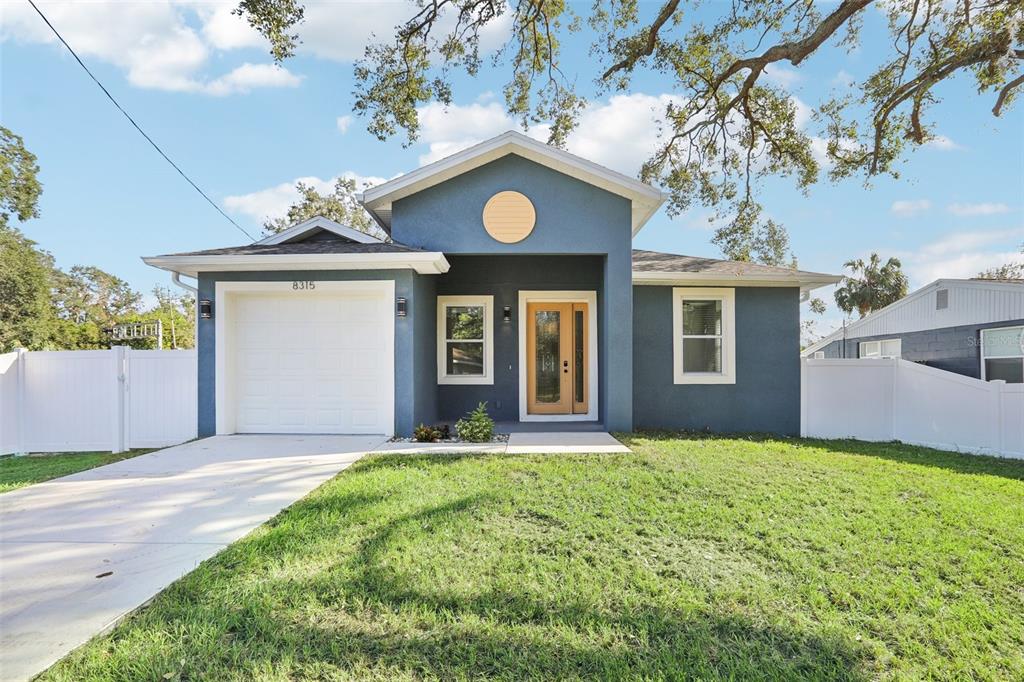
(132, 121)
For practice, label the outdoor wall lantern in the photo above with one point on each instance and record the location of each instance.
(506, 313)
(400, 307)
(205, 309)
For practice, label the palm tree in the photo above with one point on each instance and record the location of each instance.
(872, 285)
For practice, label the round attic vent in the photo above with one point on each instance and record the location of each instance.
(509, 217)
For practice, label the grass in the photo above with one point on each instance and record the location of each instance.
(18, 472)
(695, 558)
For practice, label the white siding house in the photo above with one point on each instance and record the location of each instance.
(972, 327)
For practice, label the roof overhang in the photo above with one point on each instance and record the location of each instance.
(805, 281)
(645, 199)
(423, 262)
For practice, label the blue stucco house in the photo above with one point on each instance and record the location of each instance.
(509, 277)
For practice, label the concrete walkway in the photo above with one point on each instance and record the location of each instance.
(79, 552)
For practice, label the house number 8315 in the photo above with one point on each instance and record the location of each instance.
(300, 285)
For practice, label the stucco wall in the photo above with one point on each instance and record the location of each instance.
(573, 217)
(954, 349)
(408, 375)
(503, 277)
(766, 395)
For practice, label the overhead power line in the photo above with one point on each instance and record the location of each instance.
(136, 125)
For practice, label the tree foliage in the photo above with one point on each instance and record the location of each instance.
(729, 127)
(871, 285)
(43, 307)
(26, 312)
(1011, 270)
(341, 206)
(89, 294)
(19, 183)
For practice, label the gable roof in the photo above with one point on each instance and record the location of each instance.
(970, 301)
(656, 268)
(298, 231)
(645, 199)
(306, 249)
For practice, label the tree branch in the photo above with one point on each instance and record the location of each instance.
(795, 52)
(652, 41)
(1005, 92)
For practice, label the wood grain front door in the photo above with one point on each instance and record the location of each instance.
(557, 362)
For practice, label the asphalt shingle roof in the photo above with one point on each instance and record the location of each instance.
(302, 248)
(655, 261)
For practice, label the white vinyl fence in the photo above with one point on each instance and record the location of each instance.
(888, 399)
(73, 401)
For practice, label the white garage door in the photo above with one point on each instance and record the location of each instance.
(313, 361)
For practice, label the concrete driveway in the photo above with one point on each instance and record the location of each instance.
(79, 552)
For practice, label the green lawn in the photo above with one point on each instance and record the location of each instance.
(17, 472)
(691, 558)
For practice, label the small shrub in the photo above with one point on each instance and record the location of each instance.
(478, 427)
(425, 434)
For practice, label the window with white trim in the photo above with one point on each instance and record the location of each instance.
(1002, 354)
(704, 335)
(883, 348)
(465, 331)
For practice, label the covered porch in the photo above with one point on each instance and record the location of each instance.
(528, 335)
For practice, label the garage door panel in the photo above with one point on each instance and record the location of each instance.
(312, 363)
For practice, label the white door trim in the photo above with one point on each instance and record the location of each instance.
(588, 297)
(222, 312)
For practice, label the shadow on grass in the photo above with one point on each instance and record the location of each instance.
(495, 633)
(893, 451)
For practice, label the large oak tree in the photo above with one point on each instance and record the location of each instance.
(730, 127)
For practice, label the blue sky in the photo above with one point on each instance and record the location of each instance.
(201, 83)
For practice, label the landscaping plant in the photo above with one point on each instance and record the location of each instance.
(426, 434)
(478, 427)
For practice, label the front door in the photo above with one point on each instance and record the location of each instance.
(557, 360)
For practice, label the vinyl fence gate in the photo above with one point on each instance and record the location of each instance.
(116, 399)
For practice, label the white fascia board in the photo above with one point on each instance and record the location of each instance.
(715, 279)
(646, 199)
(319, 223)
(425, 263)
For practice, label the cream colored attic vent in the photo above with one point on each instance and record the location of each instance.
(509, 217)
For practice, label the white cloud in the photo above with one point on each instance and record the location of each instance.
(942, 143)
(619, 134)
(273, 202)
(843, 79)
(225, 30)
(340, 31)
(781, 76)
(803, 112)
(963, 210)
(343, 123)
(910, 207)
(446, 130)
(960, 255)
(250, 76)
(156, 43)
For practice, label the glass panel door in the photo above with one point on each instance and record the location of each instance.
(581, 360)
(548, 356)
(557, 358)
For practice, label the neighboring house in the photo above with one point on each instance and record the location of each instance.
(510, 279)
(973, 327)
